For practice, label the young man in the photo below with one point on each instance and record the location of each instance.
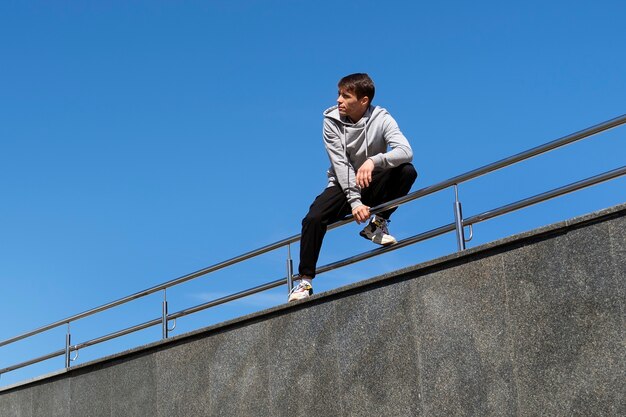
(370, 164)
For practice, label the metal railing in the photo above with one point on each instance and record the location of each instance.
(458, 225)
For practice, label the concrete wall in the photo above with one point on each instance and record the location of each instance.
(531, 325)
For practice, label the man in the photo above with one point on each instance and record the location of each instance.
(370, 164)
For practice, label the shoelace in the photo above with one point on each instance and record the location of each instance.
(382, 225)
(304, 286)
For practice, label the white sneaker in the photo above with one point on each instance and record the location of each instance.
(301, 291)
(378, 232)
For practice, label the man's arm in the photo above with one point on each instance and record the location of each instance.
(344, 173)
(400, 151)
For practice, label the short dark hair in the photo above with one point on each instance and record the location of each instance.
(360, 84)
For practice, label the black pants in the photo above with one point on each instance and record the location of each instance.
(332, 205)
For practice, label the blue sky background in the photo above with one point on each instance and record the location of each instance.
(141, 141)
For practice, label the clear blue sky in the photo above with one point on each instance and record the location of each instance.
(143, 140)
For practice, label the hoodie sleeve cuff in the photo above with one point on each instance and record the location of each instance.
(377, 160)
(356, 203)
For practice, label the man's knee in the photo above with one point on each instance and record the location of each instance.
(408, 172)
(312, 217)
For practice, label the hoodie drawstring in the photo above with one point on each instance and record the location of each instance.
(365, 122)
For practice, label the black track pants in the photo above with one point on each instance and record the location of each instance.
(332, 205)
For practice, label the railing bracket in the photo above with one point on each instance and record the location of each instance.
(171, 329)
(471, 233)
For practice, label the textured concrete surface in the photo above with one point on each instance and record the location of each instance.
(224, 375)
(17, 404)
(575, 358)
(52, 399)
(465, 343)
(133, 387)
(303, 374)
(90, 393)
(377, 352)
(530, 325)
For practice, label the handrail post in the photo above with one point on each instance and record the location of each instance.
(289, 269)
(458, 219)
(164, 323)
(68, 342)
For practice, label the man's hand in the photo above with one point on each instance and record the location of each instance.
(364, 174)
(361, 214)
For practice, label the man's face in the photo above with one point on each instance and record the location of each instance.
(349, 105)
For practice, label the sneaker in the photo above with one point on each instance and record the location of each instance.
(378, 232)
(301, 291)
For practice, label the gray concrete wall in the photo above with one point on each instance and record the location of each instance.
(531, 325)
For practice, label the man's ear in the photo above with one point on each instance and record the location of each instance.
(365, 100)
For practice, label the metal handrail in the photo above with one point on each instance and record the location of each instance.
(597, 179)
(522, 156)
(285, 242)
(155, 289)
(348, 261)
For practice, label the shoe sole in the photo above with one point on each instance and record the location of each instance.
(292, 299)
(387, 244)
(371, 239)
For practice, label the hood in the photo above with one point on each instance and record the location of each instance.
(371, 113)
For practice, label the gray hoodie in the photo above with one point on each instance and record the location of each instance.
(349, 145)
